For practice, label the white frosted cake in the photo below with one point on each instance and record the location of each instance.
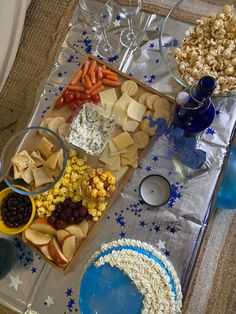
(150, 271)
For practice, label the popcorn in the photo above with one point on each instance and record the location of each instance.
(210, 49)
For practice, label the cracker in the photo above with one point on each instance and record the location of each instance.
(143, 97)
(63, 130)
(141, 138)
(150, 100)
(36, 156)
(129, 87)
(45, 147)
(40, 177)
(22, 160)
(52, 160)
(161, 103)
(144, 126)
(17, 173)
(54, 123)
(27, 176)
(162, 114)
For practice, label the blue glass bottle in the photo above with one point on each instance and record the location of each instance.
(195, 110)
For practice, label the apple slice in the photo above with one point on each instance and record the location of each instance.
(61, 235)
(76, 230)
(44, 249)
(42, 225)
(36, 237)
(69, 246)
(56, 253)
(84, 227)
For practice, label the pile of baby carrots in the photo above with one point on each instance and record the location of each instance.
(86, 84)
(93, 78)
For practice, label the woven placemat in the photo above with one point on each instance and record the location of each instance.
(190, 10)
(44, 30)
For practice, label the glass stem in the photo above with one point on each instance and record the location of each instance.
(130, 25)
(107, 46)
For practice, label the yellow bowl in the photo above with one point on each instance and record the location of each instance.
(3, 228)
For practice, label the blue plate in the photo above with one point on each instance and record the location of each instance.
(107, 290)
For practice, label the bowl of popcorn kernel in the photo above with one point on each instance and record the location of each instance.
(33, 160)
(197, 39)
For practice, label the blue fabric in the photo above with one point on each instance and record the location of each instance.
(227, 194)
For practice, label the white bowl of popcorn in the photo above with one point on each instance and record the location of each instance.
(206, 45)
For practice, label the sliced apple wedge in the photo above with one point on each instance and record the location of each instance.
(42, 225)
(61, 235)
(56, 253)
(69, 246)
(37, 238)
(76, 230)
(45, 250)
(84, 227)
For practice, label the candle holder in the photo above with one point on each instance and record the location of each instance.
(155, 190)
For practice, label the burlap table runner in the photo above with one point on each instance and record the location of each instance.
(44, 30)
(189, 10)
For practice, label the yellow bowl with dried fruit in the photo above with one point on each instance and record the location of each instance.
(16, 211)
(33, 160)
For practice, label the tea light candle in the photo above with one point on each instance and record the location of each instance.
(155, 190)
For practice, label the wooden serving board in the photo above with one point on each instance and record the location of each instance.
(66, 112)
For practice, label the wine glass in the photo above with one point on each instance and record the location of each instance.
(131, 37)
(98, 17)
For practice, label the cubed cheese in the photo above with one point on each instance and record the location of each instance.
(131, 152)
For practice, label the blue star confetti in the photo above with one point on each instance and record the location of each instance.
(118, 17)
(150, 79)
(142, 223)
(155, 158)
(113, 58)
(218, 112)
(69, 292)
(172, 43)
(152, 45)
(25, 256)
(34, 270)
(148, 168)
(210, 131)
(175, 194)
(122, 234)
(167, 253)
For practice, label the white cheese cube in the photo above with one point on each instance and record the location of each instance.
(136, 110)
(108, 96)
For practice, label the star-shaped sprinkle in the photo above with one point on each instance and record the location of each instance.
(172, 230)
(161, 245)
(210, 131)
(116, 23)
(34, 270)
(15, 282)
(84, 33)
(157, 228)
(148, 168)
(167, 253)
(142, 223)
(152, 45)
(122, 234)
(69, 292)
(49, 301)
(59, 74)
(118, 17)
(155, 158)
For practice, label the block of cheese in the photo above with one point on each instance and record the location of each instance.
(109, 107)
(131, 152)
(108, 96)
(106, 158)
(120, 115)
(136, 110)
(130, 125)
(119, 173)
(114, 150)
(127, 162)
(116, 165)
(123, 102)
(123, 140)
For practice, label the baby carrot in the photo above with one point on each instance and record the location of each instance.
(112, 78)
(97, 90)
(88, 81)
(111, 83)
(84, 82)
(85, 68)
(76, 77)
(93, 66)
(108, 72)
(89, 90)
(75, 88)
(99, 73)
(92, 77)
